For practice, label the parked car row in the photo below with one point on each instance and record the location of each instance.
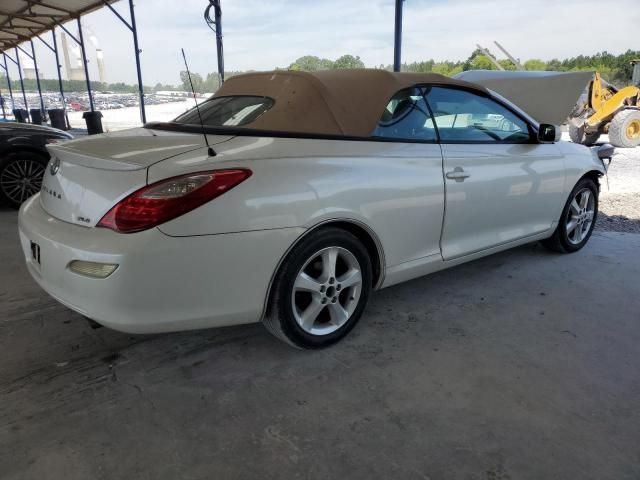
(79, 101)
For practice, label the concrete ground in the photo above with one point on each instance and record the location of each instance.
(523, 365)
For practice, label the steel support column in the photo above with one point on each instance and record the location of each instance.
(219, 48)
(137, 50)
(4, 115)
(215, 24)
(397, 37)
(6, 70)
(54, 49)
(32, 56)
(24, 96)
(86, 64)
(59, 69)
(35, 67)
(134, 30)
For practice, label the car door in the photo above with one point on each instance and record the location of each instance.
(407, 210)
(501, 185)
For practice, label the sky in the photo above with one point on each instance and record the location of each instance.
(264, 34)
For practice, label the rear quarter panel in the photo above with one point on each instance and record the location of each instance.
(396, 189)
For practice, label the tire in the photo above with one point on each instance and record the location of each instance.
(577, 221)
(309, 306)
(21, 176)
(624, 129)
(577, 135)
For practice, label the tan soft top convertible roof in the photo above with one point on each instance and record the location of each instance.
(331, 102)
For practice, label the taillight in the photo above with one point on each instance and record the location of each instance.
(167, 199)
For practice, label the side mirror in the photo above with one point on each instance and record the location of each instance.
(605, 151)
(546, 133)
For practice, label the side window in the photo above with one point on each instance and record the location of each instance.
(406, 117)
(465, 116)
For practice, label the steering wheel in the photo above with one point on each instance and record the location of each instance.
(486, 131)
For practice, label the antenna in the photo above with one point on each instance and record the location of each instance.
(210, 150)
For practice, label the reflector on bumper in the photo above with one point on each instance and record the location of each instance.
(92, 269)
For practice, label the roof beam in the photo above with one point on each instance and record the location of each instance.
(11, 32)
(30, 14)
(122, 19)
(48, 5)
(33, 30)
(25, 52)
(6, 55)
(20, 16)
(35, 17)
(47, 43)
(75, 39)
(27, 23)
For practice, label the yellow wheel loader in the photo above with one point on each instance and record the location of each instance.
(608, 110)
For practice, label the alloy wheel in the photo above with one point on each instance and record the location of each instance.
(633, 130)
(21, 179)
(580, 216)
(326, 291)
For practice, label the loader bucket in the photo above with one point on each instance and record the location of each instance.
(548, 97)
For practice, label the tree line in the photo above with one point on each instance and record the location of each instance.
(616, 69)
(52, 85)
(307, 63)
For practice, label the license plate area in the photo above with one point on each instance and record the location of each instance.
(35, 253)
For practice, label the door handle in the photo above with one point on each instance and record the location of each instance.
(457, 174)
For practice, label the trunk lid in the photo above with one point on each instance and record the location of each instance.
(133, 149)
(88, 176)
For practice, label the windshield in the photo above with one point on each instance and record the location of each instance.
(227, 111)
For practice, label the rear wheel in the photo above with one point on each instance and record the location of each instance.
(624, 130)
(578, 135)
(578, 219)
(21, 176)
(321, 289)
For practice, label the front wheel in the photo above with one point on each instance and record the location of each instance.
(578, 219)
(321, 289)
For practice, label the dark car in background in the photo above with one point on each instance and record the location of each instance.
(23, 159)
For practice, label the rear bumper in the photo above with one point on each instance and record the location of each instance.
(162, 283)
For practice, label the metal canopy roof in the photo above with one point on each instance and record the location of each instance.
(21, 20)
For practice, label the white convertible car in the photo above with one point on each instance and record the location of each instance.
(313, 190)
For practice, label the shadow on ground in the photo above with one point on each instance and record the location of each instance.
(521, 365)
(617, 223)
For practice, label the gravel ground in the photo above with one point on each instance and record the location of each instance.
(620, 193)
(620, 199)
